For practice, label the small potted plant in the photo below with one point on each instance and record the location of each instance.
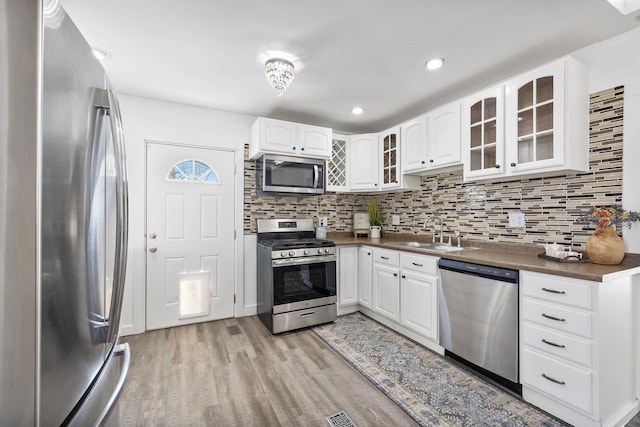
(604, 245)
(375, 219)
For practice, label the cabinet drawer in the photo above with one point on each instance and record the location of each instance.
(565, 319)
(556, 289)
(570, 347)
(382, 256)
(557, 379)
(419, 263)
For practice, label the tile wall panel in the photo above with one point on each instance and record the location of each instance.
(479, 210)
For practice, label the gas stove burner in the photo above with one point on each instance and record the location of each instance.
(280, 244)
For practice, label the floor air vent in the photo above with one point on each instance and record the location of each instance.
(340, 419)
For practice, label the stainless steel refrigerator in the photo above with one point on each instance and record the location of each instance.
(63, 223)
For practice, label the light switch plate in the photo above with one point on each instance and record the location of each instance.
(516, 219)
(395, 219)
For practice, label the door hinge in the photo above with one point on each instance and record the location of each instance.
(234, 298)
(234, 234)
(235, 169)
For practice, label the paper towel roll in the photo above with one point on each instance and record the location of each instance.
(321, 232)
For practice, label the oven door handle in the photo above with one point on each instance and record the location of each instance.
(303, 260)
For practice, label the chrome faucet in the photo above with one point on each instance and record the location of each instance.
(435, 219)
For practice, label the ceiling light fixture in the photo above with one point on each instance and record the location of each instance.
(280, 73)
(357, 110)
(434, 63)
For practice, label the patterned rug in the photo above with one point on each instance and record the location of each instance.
(427, 386)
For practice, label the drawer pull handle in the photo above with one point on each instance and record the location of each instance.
(417, 265)
(384, 257)
(553, 318)
(553, 380)
(553, 291)
(553, 344)
(313, 313)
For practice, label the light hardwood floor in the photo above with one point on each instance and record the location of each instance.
(236, 373)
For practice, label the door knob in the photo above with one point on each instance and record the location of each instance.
(153, 235)
(153, 250)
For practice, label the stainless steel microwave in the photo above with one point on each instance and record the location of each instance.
(287, 174)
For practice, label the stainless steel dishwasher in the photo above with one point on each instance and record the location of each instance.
(478, 318)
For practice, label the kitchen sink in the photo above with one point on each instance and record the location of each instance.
(437, 247)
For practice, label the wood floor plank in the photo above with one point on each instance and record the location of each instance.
(236, 373)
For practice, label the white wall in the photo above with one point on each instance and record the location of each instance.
(614, 62)
(145, 120)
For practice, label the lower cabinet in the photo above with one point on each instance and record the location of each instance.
(386, 288)
(576, 347)
(365, 271)
(419, 294)
(347, 279)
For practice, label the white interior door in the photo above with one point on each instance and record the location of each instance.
(190, 235)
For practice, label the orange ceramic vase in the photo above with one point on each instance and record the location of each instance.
(605, 246)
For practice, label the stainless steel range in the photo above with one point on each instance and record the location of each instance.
(296, 275)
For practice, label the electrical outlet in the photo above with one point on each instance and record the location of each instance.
(395, 219)
(516, 219)
(322, 221)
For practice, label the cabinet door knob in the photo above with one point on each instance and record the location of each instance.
(302, 149)
(395, 274)
(404, 277)
(497, 166)
(294, 148)
(430, 160)
(153, 250)
(513, 165)
(423, 162)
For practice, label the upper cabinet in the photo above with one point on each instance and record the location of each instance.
(282, 137)
(443, 136)
(414, 145)
(389, 145)
(337, 166)
(546, 124)
(483, 134)
(431, 141)
(363, 162)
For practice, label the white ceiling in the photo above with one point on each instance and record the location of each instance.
(355, 52)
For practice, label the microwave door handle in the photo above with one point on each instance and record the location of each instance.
(316, 176)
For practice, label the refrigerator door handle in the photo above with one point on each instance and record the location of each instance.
(122, 215)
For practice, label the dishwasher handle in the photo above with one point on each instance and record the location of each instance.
(479, 270)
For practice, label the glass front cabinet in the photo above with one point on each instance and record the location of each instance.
(538, 125)
(483, 134)
(390, 158)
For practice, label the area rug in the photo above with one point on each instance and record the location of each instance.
(431, 389)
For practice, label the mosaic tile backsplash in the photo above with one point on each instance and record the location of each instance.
(479, 210)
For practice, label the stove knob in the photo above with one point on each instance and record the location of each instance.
(320, 250)
(327, 250)
(292, 253)
(307, 251)
(283, 254)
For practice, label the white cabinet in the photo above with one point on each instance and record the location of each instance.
(386, 283)
(282, 137)
(419, 294)
(483, 134)
(443, 136)
(413, 135)
(365, 270)
(575, 352)
(546, 119)
(337, 166)
(432, 141)
(347, 277)
(389, 145)
(363, 162)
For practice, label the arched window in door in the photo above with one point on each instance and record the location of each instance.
(193, 171)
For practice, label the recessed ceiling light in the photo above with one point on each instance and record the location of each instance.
(357, 110)
(101, 53)
(434, 63)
